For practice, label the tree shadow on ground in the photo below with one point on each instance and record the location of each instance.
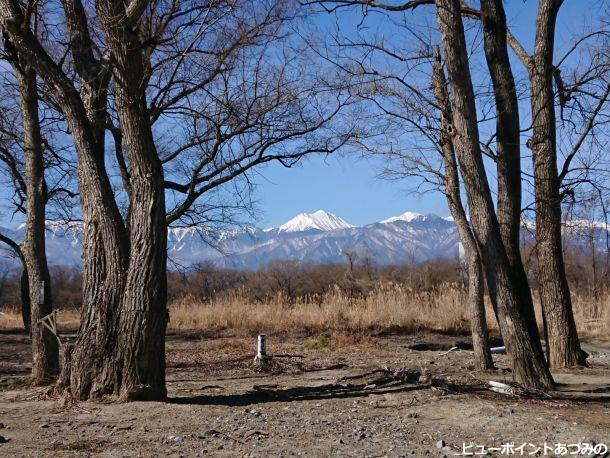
(583, 392)
(265, 394)
(299, 393)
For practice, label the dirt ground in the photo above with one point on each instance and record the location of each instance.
(374, 396)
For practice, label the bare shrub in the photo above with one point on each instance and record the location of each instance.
(293, 297)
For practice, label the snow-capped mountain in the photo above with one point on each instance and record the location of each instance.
(319, 237)
(320, 220)
(407, 216)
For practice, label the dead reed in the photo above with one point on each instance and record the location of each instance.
(388, 307)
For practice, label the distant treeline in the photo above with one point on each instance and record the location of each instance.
(294, 280)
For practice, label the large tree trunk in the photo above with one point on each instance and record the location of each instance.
(89, 371)
(508, 149)
(105, 247)
(478, 321)
(92, 369)
(563, 343)
(45, 347)
(525, 350)
(140, 351)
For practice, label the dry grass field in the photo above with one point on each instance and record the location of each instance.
(389, 307)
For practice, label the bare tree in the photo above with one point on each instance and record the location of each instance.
(24, 283)
(506, 137)
(139, 58)
(414, 109)
(45, 350)
(28, 157)
(563, 343)
(508, 155)
(476, 286)
(529, 366)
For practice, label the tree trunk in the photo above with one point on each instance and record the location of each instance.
(90, 368)
(508, 150)
(528, 364)
(90, 371)
(25, 300)
(478, 321)
(105, 251)
(140, 350)
(45, 348)
(563, 343)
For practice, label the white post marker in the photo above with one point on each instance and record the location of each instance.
(261, 350)
(40, 291)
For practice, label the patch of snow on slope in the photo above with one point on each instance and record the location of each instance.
(407, 216)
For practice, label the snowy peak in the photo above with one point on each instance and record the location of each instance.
(320, 220)
(315, 238)
(407, 216)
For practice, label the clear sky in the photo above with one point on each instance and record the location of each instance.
(349, 187)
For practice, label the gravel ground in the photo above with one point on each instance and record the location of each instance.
(372, 396)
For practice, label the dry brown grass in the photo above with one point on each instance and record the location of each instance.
(68, 319)
(389, 307)
(592, 316)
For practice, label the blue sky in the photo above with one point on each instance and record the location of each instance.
(349, 186)
(346, 186)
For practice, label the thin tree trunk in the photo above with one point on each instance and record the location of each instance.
(45, 348)
(563, 342)
(25, 300)
(478, 321)
(593, 265)
(528, 363)
(508, 149)
(24, 287)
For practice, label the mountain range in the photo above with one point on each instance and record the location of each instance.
(317, 238)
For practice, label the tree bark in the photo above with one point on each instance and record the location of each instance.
(528, 364)
(478, 321)
(25, 300)
(89, 368)
(140, 350)
(563, 342)
(45, 348)
(508, 149)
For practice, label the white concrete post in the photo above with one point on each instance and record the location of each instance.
(261, 350)
(262, 346)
